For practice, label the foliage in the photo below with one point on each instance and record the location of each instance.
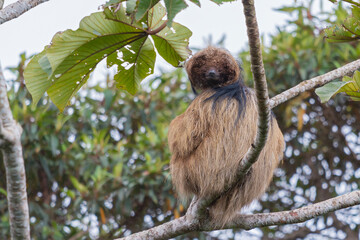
(99, 170)
(138, 8)
(63, 67)
(348, 85)
(347, 31)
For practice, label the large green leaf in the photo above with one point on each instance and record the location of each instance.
(95, 40)
(348, 85)
(64, 66)
(171, 45)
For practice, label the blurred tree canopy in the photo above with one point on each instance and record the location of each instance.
(100, 170)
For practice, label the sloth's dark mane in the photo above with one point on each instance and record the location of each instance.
(233, 91)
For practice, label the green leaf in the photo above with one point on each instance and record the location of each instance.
(289, 9)
(143, 7)
(36, 76)
(355, 12)
(152, 195)
(348, 31)
(109, 98)
(196, 2)
(70, 193)
(348, 85)
(135, 62)
(95, 40)
(221, 1)
(79, 186)
(130, 6)
(112, 2)
(356, 78)
(327, 91)
(65, 66)
(337, 34)
(155, 16)
(3, 191)
(118, 169)
(172, 44)
(173, 7)
(355, 99)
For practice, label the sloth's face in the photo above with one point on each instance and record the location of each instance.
(212, 68)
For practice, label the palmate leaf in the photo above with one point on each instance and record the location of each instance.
(348, 85)
(64, 66)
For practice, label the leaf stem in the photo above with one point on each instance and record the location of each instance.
(155, 31)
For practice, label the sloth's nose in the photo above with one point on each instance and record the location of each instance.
(212, 74)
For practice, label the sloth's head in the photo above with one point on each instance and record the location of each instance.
(212, 68)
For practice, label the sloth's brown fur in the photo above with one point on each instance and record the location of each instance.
(209, 58)
(207, 145)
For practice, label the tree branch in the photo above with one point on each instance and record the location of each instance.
(167, 230)
(14, 10)
(186, 224)
(314, 83)
(10, 133)
(299, 215)
(261, 89)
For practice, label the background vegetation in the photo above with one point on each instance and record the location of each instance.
(100, 170)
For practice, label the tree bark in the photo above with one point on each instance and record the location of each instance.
(14, 10)
(11, 149)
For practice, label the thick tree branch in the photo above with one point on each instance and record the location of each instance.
(167, 230)
(314, 83)
(11, 149)
(14, 10)
(187, 224)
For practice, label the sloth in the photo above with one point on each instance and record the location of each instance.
(209, 140)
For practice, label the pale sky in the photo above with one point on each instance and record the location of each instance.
(33, 30)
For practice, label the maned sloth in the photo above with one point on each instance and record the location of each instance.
(209, 140)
